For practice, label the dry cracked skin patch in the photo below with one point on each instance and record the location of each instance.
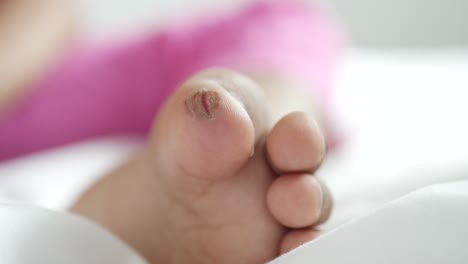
(203, 104)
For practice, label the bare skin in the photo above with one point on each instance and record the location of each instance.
(32, 34)
(227, 176)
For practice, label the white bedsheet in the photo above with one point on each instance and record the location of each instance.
(427, 226)
(404, 124)
(32, 235)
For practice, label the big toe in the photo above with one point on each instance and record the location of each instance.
(209, 127)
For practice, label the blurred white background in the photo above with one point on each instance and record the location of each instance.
(405, 23)
(370, 23)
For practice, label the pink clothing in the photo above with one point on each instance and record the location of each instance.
(118, 88)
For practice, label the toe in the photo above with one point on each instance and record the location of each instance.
(296, 238)
(299, 200)
(209, 127)
(296, 144)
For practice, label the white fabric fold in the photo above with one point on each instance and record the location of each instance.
(426, 226)
(40, 236)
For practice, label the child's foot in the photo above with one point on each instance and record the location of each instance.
(217, 183)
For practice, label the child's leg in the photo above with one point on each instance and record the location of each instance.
(118, 89)
(31, 35)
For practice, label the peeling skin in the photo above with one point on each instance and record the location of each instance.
(203, 104)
